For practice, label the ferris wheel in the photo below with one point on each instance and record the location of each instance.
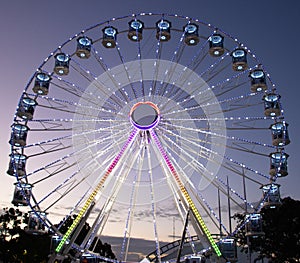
(144, 118)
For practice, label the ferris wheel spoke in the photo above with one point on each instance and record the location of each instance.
(72, 187)
(199, 56)
(97, 189)
(80, 200)
(192, 188)
(244, 146)
(115, 100)
(61, 164)
(207, 208)
(190, 161)
(214, 66)
(225, 87)
(122, 174)
(234, 80)
(186, 141)
(64, 105)
(236, 193)
(229, 119)
(196, 61)
(154, 90)
(196, 164)
(107, 70)
(185, 193)
(153, 208)
(168, 75)
(214, 217)
(65, 85)
(58, 187)
(234, 138)
(77, 172)
(105, 142)
(81, 121)
(127, 73)
(133, 201)
(140, 57)
(230, 160)
(64, 141)
(234, 104)
(169, 72)
(88, 99)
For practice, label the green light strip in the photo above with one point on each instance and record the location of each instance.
(94, 193)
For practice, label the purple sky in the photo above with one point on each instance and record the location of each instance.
(31, 29)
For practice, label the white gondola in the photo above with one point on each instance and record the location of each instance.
(62, 61)
(258, 80)
(35, 225)
(280, 136)
(109, 37)
(229, 249)
(88, 258)
(271, 195)
(191, 35)
(41, 84)
(278, 164)
(254, 225)
(26, 108)
(22, 194)
(216, 45)
(55, 240)
(135, 31)
(163, 30)
(17, 165)
(195, 259)
(19, 135)
(84, 45)
(239, 59)
(272, 106)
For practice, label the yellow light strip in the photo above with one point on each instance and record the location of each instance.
(95, 192)
(186, 195)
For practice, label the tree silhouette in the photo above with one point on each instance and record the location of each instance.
(97, 246)
(281, 225)
(17, 245)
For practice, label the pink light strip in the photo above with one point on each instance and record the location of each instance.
(96, 190)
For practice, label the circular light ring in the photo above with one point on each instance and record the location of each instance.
(110, 31)
(144, 115)
(163, 25)
(257, 74)
(42, 77)
(216, 39)
(136, 25)
(61, 57)
(238, 53)
(84, 41)
(191, 29)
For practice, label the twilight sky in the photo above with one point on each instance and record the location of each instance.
(32, 29)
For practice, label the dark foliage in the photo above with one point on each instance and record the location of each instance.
(97, 246)
(16, 245)
(281, 225)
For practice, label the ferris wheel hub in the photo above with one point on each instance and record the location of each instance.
(144, 115)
